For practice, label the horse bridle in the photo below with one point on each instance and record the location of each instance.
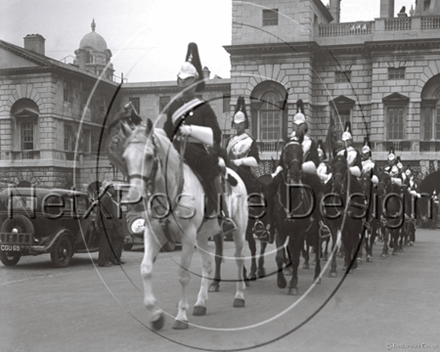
(149, 179)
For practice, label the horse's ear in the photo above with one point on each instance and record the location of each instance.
(149, 126)
(126, 130)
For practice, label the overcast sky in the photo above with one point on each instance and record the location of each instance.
(148, 38)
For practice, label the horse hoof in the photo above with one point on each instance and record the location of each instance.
(261, 273)
(293, 291)
(199, 311)
(159, 322)
(214, 287)
(411, 243)
(383, 255)
(333, 274)
(394, 253)
(238, 303)
(247, 283)
(253, 278)
(281, 282)
(288, 271)
(306, 266)
(180, 325)
(359, 261)
(369, 259)
(317, 280)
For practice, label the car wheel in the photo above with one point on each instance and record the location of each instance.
(169, 246)
(128, 246)
(19, 222)
(10, 258)
(62, 253)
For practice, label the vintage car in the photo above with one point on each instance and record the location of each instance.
(135, 226)
(34, 221)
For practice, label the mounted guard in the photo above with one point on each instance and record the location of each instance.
(193, 120)
(353, 156)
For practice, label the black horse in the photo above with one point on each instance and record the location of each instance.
(343, 207)
(391, 212)
(370, 232)
(293, 214)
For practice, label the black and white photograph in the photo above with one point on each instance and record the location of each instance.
(219, 175)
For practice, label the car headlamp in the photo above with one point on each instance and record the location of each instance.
(138, 226)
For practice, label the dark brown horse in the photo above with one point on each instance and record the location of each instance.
(343, 207)
(370, 232)
(293, 215)
(391, 212)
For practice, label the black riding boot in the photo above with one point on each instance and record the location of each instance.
(226, 223)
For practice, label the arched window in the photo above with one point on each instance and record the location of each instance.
(430, 116)
(269, 115)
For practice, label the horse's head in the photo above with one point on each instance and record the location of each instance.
(293, 159)
(131, 149)
(384, 185)
(340, 173)
(365, 180)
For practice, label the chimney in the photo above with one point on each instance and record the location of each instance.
(35, 43)
(206, 73)
(386, 8)
(335, 10)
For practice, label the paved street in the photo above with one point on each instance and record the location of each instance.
(85, 308)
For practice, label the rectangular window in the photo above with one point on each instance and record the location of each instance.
(427, 124)
(395, 123)
(342, 76)
(86, 141)
(68, 138)
(163, 101)
(66, 91)
(226, 103)
(27, 136)
(270, 125)
(270, 17)
(437, 125)
(396, 73)
(136, 104)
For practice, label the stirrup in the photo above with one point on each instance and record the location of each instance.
(228, 226)
(366, 225)
(324, 231)
(258, 230)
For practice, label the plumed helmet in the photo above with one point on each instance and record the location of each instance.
(366, 148)
(240, 114)
(394, 171)
(391, 155)
(299, 117)
(192, 66)
(321, 150)
(399, 163)
(347, 132)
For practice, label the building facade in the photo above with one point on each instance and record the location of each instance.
(381, 75)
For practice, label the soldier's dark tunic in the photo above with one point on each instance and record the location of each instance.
(196, 154)
(242, 146)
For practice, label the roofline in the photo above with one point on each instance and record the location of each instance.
(47, 64)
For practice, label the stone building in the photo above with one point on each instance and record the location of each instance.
(381, 75)
(51, 113)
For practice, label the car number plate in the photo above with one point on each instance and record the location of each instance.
(10, 248)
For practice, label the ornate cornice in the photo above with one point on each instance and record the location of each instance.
(271, 48)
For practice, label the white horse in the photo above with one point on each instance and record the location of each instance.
(174, 201)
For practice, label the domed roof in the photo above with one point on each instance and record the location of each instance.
(93, 40)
